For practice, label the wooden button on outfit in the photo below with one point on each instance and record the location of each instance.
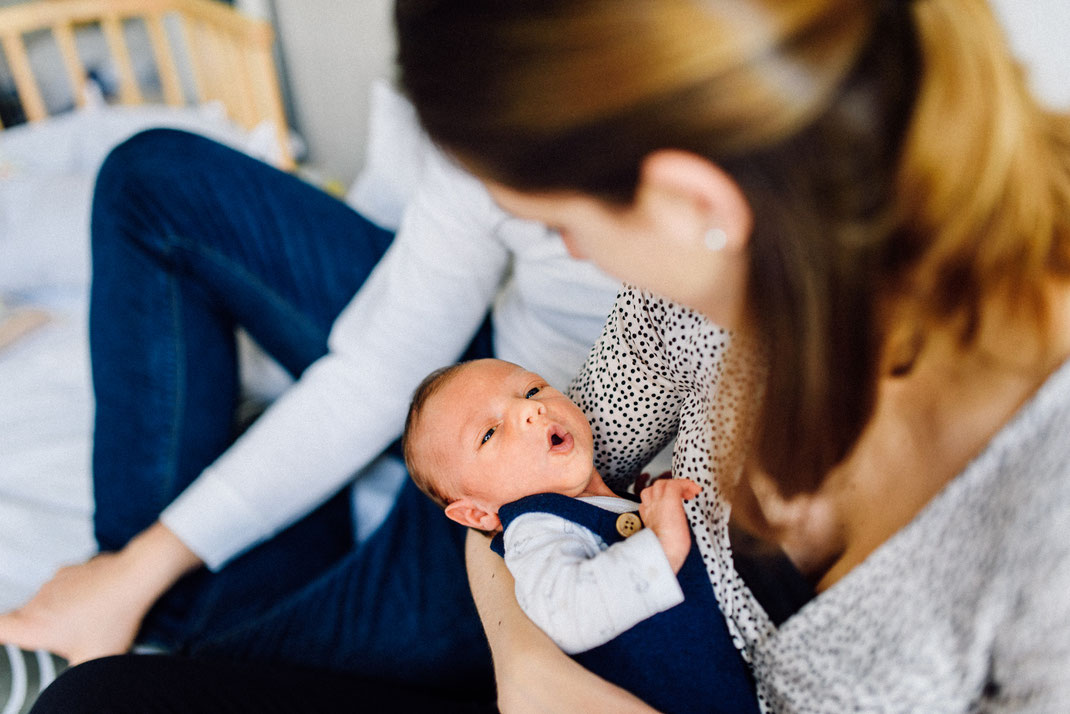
(628, 524)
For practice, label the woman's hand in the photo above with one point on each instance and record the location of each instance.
(96, 608)
(532, 674)
(662, 511)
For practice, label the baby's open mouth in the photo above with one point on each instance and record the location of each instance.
(560, 440)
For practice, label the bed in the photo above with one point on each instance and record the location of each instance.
(47, 166)
(78, 77)
(126, 65)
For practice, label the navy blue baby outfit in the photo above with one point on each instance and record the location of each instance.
(680, 660)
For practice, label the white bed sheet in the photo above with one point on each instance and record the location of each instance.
(45, 423)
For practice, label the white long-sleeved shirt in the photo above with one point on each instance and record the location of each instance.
(456, 254)
(580, 591)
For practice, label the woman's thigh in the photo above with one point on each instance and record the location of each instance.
(192, 240)
(278, 256)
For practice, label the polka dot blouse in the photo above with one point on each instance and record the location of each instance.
(967, 608)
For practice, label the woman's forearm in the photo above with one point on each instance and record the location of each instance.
(531, 672)
(160, 558)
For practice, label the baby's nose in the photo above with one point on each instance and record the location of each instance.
(532, 411)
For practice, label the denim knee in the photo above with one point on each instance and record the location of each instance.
(150, 153)
(153, 184)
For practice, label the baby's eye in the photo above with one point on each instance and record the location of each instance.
(486, 437)
(532, 392)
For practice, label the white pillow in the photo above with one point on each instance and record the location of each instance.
(395, 154)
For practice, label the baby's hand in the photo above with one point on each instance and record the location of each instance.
(662, 510)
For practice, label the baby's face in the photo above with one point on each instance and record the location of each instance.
(495, 432)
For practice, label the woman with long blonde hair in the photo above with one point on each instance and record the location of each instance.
(866, 197)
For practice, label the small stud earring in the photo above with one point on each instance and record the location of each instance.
(715, 239)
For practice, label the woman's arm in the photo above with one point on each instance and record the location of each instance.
(532, 674)
(623, 388)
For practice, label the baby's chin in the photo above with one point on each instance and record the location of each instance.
(585, 482)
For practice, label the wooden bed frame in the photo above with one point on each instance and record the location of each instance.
(229, 55)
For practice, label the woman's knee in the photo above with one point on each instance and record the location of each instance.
(154, 183)
(144, 684)
(143, 159)
(141, 173)
(151, 161)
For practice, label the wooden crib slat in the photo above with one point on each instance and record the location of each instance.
(269, 98)
(230, 55)
(220, 83)
(25, 84)
(68, 48)
(129, 92)
(207, 45)
(188, 30)
(165, 60)
(244, 109)
(231, 77)
(220, 16)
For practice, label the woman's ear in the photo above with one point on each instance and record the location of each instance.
(690, 195)
(467, 513)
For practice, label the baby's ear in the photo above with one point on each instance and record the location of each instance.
(467, 513)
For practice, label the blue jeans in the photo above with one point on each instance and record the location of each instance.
(190, 241)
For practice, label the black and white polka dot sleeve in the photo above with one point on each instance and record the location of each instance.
(624, 390)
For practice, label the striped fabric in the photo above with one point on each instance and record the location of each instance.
(23, 675)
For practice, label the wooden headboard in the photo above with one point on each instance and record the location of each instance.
(228, 56)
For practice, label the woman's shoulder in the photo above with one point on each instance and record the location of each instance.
(1002, 522)
(647, 312)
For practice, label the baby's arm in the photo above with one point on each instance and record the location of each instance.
(577, 593)
(662, 511)
(582, 596)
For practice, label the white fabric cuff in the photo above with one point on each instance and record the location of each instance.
(210, 518)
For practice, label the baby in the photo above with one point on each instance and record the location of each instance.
(499, 448)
